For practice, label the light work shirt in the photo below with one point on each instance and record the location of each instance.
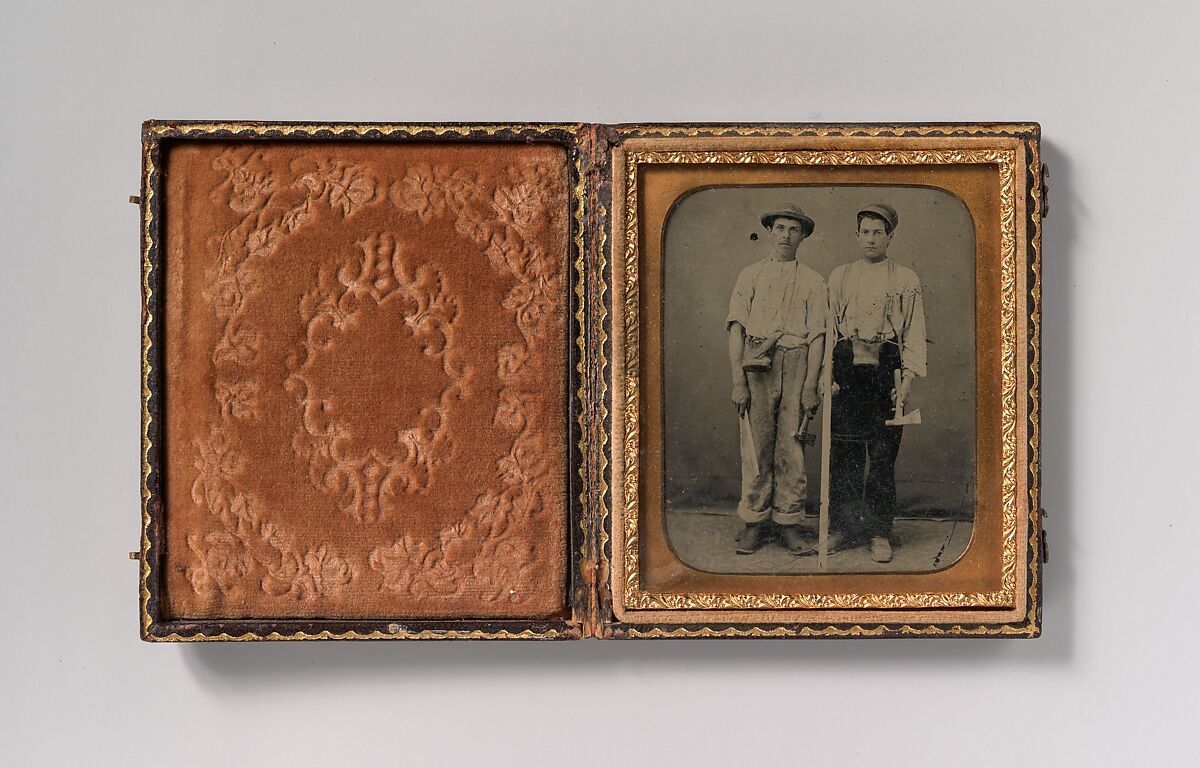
(876, 301)
(784, 297)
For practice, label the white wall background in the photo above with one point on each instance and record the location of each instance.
(1112, 681)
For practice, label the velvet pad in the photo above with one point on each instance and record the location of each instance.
(365, 394)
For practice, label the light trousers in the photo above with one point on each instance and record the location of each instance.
(780, 487)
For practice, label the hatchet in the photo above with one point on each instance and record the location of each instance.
(802, 434)
(900, 419)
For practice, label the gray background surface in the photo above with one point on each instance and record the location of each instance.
(1113, 680)
(708, 243)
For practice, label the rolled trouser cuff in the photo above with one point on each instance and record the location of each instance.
(788, 518)
(748, 515)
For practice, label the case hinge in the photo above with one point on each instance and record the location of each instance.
(1042, 536)
(1045, 190)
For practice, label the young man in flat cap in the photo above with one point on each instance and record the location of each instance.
(880, 329)
(776, 326)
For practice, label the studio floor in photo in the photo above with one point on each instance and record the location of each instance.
(703, 537)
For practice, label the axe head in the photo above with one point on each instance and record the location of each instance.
(909, 418)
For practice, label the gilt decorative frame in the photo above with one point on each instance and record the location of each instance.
(1011, 609)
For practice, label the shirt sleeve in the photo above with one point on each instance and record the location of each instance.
(739, 302)
(912, 357)
(836, 300)
(818, 309)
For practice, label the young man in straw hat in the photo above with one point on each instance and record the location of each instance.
(776, 327)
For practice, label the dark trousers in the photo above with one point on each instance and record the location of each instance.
(862, 484)
(863, 449)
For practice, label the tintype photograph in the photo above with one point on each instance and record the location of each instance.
(819, 382)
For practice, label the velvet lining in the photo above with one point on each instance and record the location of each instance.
(365, 379)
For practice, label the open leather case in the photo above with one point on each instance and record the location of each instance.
(457, 381)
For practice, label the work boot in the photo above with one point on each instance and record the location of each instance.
(881, 549)
(794, 543)
(750, 539)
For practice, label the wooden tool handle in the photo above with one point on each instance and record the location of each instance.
(749, 449)
(896, 377)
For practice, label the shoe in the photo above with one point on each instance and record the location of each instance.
(881, 549)
(838, 541)
(750, 539)
(794, 542)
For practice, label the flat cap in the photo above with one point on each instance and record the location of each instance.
(887, 212)
(789, 211)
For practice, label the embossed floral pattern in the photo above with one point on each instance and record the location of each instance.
(270, 215)
(345, 187)
(428, 191)
(378, 464)
(369, 482)
(249, 545)
(223, 562)
(238, 399)
(484, 554)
